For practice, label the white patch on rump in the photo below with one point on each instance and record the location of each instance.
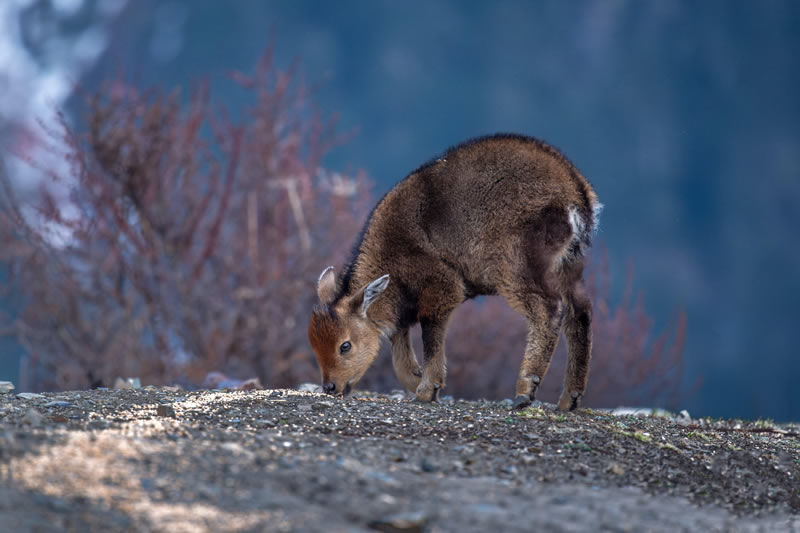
(568, 253)
(576, 222)
(597, 208)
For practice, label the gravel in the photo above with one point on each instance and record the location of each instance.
(164, 459)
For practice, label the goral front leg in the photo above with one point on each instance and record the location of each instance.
(406, 367)
(434, 368)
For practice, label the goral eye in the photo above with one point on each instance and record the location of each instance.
(345, 347)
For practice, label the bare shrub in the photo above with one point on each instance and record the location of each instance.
(192, 239)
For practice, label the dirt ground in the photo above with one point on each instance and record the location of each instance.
(160, 459)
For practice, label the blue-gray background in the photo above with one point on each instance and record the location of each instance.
(684, 115)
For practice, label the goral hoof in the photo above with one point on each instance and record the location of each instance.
(570, 402)
(521, 402)
(427, 396)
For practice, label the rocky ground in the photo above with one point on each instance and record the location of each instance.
(153, 459)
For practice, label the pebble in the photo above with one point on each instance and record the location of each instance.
(6, 387)
(427, 466)
(413, 522)
(387, 499)
(99, 423)
(322, 405)
(683, 418)
(165, 410)
(309, 387)
(127, 383)
(509, 469)
(57, 403)
(616, 469)
(305, 407)
(33, 418)
(29, 396)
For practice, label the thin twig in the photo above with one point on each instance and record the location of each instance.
(775, 431)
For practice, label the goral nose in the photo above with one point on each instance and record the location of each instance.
(329, 387)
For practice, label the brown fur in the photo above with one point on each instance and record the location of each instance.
(506, 215)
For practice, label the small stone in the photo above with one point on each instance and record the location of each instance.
(508, 402)
(615, 468)
(33, 418)
(99, 423)
(309, 387)
(427, 466)
(57, 403)
(59, 419)
(30, 396)
(631, 411)
(305, 407)
(319, 406)
(165, 410)
(509, 469)
(683, 418)
(127, 383)
(413, 522)
(6, 387)
(397, 395)
(387, 499)
(58, 505)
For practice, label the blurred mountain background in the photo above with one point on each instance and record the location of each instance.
(684, 115)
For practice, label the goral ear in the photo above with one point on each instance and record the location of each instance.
(372, 291)
(326, 286)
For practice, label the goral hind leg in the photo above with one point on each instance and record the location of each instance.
(534, 289)
(544, 315)
(579, 344)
